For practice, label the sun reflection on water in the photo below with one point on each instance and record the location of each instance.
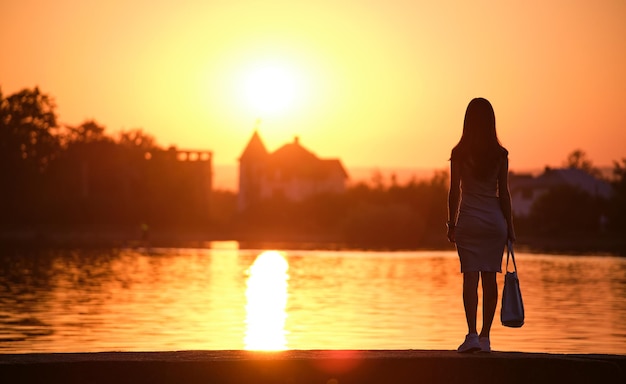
(266, 302)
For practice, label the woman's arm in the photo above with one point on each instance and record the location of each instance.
(454, 198)
(505, 197)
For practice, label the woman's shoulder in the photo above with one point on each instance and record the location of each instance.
(456, 153)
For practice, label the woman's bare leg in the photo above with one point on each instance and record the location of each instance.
(470, 299)
(490, 301)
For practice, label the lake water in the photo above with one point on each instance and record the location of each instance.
(224, 298)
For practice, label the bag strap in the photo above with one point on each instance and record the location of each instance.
(511, 253)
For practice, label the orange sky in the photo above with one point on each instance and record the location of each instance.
(375, 83)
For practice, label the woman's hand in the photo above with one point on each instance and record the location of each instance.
(451, 234)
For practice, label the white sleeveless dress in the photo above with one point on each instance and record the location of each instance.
(481, 229)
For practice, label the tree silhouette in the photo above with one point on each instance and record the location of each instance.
(565, 210)
(138, 140)
(578, 159)
(27, 125)
(617, 211)
(28, 144)
(87, 132)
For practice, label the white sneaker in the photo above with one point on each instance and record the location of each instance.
(485, 344)
(471, 344)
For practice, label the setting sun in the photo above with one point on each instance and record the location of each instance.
(270, 88)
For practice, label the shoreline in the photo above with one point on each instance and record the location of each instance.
(606, 245)
(313, 366)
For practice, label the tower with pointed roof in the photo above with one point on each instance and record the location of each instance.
(292, 172)
(251, 167)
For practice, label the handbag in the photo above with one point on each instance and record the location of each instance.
(512, 311)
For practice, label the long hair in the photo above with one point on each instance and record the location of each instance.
(479, 145)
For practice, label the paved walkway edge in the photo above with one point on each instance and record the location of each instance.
(314, 366)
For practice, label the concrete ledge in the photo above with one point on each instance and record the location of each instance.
(320, 367)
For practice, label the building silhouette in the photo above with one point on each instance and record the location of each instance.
(165, 186)
(526, 189)
(291, 172)
(195, 166)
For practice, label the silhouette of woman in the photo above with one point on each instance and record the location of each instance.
(479, 216)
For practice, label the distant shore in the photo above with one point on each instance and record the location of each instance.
(598, 244)
(316, 366)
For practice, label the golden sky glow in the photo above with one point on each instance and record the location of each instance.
(375, 83)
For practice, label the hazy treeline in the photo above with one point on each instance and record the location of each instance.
(57, 177)
(568, 211)
(368, 214)
(389, 215)
(78, 176)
